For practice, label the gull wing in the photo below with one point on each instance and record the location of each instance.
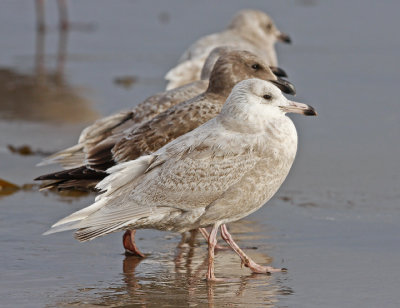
(182, 178)
(165, 127)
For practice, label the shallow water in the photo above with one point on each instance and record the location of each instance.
(335, 222)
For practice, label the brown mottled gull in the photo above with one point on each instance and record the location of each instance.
(115, 124)
(212, 59)
(111, 129)
(220, 172)
(147, 137)
(250, 30)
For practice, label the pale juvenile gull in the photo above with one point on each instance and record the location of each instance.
(250, 30)
(218, 173)
(146, 138)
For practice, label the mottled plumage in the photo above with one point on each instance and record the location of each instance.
(147, 137)
(220, 172)
(115, 124)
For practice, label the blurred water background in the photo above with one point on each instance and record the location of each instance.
(335, 222)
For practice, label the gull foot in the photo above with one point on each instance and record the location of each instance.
(260, 269)
(128, 240)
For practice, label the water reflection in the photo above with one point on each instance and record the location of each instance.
(40, 14)
(43, 95)
(306, 2)
(176, 279)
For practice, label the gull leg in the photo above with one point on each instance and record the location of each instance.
(212, 242)
(246, 260)
(180, 249)
(192, 239)
(205, 234)
(63, 12)
(128, 240)
(40, 16)
(182, 242)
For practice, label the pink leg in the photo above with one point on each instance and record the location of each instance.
(247, 261)
(212, 242)
(128, 240)
(180, 249)
(205, 234)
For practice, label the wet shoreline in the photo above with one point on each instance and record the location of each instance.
(335, 222)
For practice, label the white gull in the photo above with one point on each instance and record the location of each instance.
(220, 172)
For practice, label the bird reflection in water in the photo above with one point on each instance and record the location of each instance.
(179, 282)
(44, 95)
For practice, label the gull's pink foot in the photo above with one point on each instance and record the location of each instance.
(246, 260)
(260, 269)
(128, 240)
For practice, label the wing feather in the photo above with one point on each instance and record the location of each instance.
(183, 177)
(166, 127)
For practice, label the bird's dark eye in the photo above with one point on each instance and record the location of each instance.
(267, 96)
(269, 27)
(256, 66)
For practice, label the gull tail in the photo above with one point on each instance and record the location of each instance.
(120, 176)
(74, 156)
(68, 158)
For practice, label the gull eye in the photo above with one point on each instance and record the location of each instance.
(256, 66)
(267, 97)
(269, 27)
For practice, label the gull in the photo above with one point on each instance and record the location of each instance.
(218, 173)
(251, 30)
(214, 56)
(150, 136)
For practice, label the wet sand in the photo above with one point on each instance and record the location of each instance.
(334, 224)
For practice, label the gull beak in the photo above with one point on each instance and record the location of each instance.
(300, 108)
(283, 37)
(284, 85)
(278, 72)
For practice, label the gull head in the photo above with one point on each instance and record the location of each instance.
(217, 52)
(257, 24)
(255, 100)
(212, 58)
(234, 66)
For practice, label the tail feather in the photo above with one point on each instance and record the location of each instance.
(80, 173)
(69, 158)
(104, 125)
(108, 219)
(90, 233)
(123, 173)
(74, 156)
(133, 218)
(65, 227)
(80, 215)
(71, 185)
